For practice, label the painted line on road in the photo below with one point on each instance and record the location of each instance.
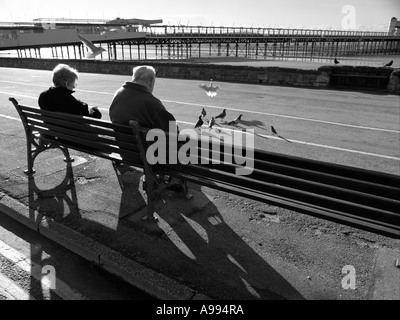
(35, 270)
(9, 117)
(337, 148)
(18, 95)
(287, 116)
(231, 109)
(309, 143)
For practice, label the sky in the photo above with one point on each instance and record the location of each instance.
(372, 15)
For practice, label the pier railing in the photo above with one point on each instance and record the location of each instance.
(256, 32)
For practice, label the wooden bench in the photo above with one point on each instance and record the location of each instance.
(52, 130)
(360, 198)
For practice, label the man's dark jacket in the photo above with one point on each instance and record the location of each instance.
(135, 102)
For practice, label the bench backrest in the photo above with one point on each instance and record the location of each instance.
(94, 136)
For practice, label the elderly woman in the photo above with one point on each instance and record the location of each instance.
(59, 98)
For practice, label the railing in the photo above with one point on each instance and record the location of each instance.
(256, 32)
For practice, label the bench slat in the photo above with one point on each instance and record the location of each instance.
(88, 135)
(81, 144)
(269, 189)
(373, 225)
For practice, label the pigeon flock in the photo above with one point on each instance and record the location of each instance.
(211, 91)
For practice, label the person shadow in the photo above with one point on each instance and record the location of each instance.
(192, 242)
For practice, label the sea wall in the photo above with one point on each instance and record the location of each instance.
(321, 78)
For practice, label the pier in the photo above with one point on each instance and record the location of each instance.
(187, 42)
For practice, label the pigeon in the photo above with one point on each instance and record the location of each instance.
(236, 121)
(210, 89)
(222, 115)
(93, 51)
(336, 61)
(203, 112)
(211, 123)
(273, 130)
(199, 123)
(388, 64)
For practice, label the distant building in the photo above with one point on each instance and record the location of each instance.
(394, 27)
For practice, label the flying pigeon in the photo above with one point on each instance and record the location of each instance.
(93, 51)
(199, 123)
(388, 64)
(336, 61)
(236, 121)
(273, 130)
(210, 89)
(222, 115)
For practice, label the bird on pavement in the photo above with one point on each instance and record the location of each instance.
(93, 51)
(388, 64)
(336, 61)
(199, 123)
(211, 122)
(236, 121)
(273, 130)
(210, 89)
(203, 112)
(222, 115)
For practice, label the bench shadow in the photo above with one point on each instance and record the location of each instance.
(51, 202)
(48, 203)
(191, 242)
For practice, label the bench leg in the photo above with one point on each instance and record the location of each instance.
(67, 157)
(118, 174)
(30, 158)
(33, 148)
(185, 189)
(151, 198)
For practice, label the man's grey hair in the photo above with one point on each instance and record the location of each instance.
(63, 74)
(143, 74)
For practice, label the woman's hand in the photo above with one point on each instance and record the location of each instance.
(95, 113)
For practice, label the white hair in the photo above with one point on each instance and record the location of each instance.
(144, 74)
(63, 74)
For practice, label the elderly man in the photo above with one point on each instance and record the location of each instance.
(135, 101)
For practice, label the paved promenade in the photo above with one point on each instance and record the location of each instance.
(214, 246)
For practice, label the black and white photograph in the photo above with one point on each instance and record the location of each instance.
(200, 159)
